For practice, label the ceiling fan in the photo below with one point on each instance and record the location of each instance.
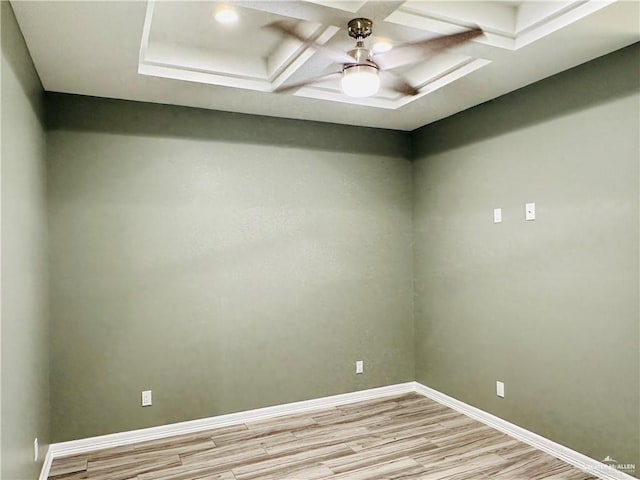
(363, 69)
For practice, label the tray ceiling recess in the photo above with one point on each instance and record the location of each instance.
(180, 42)
(176, 52)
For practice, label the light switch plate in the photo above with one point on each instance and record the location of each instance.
(146, 398)
(497, 215)
(359, 366)
(500, 389)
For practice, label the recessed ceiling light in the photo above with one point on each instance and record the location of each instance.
(226, 15)
(381, 46)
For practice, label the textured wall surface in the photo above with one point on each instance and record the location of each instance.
(229, 262)
(222, 275)
(25, 352)
(549, 307)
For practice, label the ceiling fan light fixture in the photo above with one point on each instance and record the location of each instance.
(360, 81)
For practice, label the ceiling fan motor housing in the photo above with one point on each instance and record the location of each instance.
(361, 56)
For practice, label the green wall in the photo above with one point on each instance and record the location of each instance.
(550, 307)
(25, 344)
(229, 261)
(224, 261)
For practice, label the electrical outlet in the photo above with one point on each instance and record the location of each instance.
(359, 366)
(500, 389)
(35, 449)
(146, 398)
(530, 211)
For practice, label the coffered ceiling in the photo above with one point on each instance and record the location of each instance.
(175, 52)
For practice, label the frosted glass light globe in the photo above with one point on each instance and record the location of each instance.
(360, 81)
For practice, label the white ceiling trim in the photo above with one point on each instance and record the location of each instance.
(433, 79)
(505, 26)
(180, 62)
(347, 5)
(189, 63)
(554, 22)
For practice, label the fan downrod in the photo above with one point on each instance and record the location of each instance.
(360, 28)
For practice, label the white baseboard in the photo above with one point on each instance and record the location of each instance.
(46, 466)
(572, 457)
(578, 460)
(85, 445)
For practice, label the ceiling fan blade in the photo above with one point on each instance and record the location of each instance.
(294, 86)
(408, 53)
(334, 54)
(398, 83)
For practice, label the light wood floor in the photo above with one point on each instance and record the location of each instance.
(400, 438)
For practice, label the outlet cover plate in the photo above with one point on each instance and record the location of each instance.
(530, 211)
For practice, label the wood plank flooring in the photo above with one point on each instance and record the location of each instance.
(393, 438)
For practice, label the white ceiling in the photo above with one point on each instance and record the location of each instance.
(174, 52)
